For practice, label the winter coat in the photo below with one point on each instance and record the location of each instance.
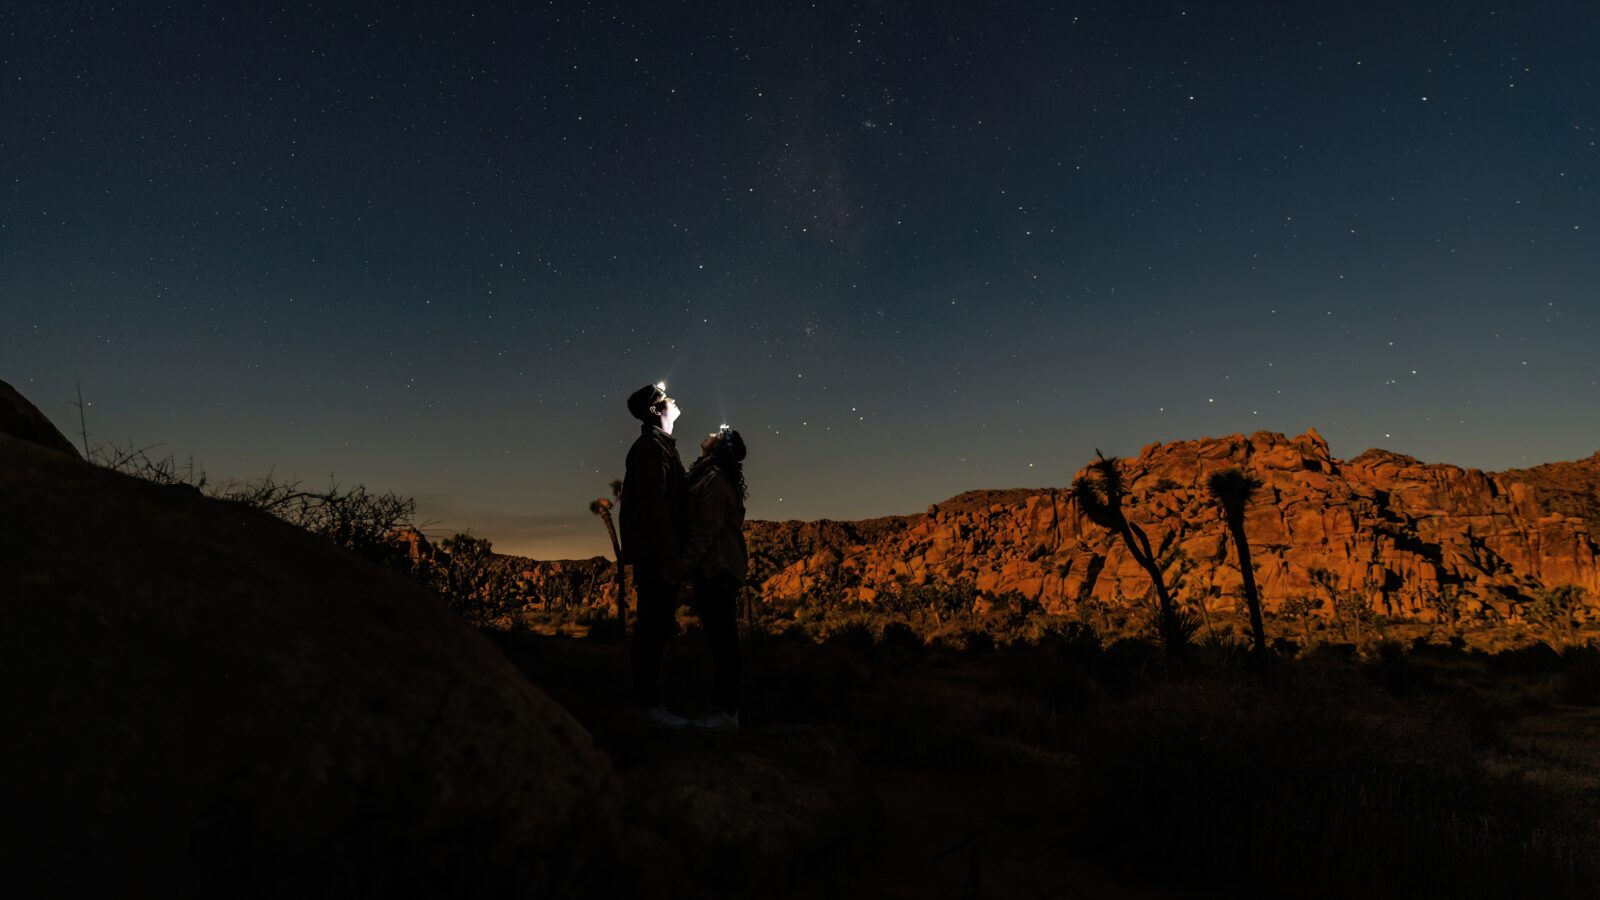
(654, 496)
(716, 527)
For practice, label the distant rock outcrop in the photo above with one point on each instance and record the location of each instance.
(1399, 532)
(201, 699)
(1415, 540)
(21, 419)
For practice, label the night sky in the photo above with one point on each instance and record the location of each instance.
(907, 249)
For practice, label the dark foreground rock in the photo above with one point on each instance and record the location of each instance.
(199, 699)
(752, 810)
(772, 810)
(20, 418)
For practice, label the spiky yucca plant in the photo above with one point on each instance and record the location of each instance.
(1233, 489)
(1100, 499)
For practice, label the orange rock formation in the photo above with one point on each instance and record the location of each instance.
(1415, 539)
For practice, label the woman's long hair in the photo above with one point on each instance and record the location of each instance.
(726, 457)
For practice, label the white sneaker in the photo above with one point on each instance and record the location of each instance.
(715, 718)
(659, 716)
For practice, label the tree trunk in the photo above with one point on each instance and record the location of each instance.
(622, 573)
(1167, 617)
(1258, 629)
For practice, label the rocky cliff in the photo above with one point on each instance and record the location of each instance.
(1412, 539)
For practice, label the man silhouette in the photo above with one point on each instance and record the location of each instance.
(654, 498)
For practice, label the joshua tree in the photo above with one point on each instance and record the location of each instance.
(1328, 583)
(1446, 604)
(1300, 610)
(1100, 499)
(1556, 608)
(1233, 489)
(1355, 609)
(602, 508)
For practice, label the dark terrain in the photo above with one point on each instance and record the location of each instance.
(1070, 769)
(206, 700)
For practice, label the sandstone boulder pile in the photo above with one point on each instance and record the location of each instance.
(1414, 539)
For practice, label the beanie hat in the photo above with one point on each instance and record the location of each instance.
(640, 401)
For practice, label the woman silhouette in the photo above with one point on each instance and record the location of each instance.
(714, 557)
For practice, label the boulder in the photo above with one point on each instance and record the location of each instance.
(202, 699)
(21, 419)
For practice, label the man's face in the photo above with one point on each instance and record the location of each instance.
(669, 411)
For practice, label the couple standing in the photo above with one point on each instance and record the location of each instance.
(682, 526)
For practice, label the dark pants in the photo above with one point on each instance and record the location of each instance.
(654, 622)
(716, 602)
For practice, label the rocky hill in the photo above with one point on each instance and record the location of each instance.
(1415, 540)
(204, 700)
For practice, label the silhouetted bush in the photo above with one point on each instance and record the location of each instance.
(1580, 674)
(472, 580)
(1219, 652)
(1533, 659)
(1331, 654)
(1127, 664)
(898, 646)
(976, 641)
(354, 518)
(137, 461)
(1397, 670)
(1056, 673)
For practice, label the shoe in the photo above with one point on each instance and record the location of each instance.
(715, 718)
(659, 716)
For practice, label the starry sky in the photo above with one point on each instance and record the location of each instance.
(908, 249)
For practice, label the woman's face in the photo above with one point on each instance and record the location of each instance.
(710, 443)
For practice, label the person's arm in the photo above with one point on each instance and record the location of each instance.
(710, 514)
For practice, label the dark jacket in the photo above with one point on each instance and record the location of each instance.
(716, 526)
(654, 492)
